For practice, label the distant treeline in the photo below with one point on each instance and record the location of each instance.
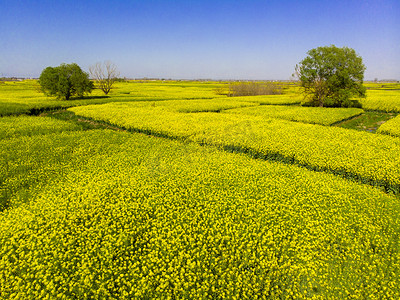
(11, 79)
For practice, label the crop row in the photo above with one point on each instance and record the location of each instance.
(382, 100)
(194, 106)
(372, 158)
(312, 115)
(127, 216)
(284, 99)
(391, 127)
(15, 126)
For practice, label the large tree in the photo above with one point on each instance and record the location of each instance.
(331, 76)
(65, 81)
(105, 75)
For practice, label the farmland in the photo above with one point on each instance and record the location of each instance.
(391, 127)
(169, 189)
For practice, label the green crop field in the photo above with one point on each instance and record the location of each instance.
(172, 190)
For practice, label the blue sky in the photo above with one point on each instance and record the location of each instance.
(217, 39)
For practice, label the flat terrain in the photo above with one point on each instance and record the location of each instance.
(171, 189)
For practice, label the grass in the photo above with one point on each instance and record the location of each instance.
(368, 121)
(82, 123)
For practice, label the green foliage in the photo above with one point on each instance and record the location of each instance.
(65, 81)
(367, 121)
(330, 76)
(113, 215)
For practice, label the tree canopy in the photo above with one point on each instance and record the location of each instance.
(65, 81)
(330, 76)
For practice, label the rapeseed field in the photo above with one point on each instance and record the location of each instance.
(312, 115)
(371, 158)
(391, 127)
(142, 217)
(382, 97)
(196, 195)
(22, 125)
(25, 96)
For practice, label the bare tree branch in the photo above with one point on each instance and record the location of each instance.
(104, 74)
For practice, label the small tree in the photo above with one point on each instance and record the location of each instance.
(330, 76)
(65, 81)
(105, 75)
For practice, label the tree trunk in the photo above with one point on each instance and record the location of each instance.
(68, 95)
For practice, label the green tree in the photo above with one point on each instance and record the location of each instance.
(65, 81)
(331, 76)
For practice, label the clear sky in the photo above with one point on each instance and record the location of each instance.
(217, 39)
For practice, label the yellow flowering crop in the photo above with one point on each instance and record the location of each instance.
(370, 158)
(383, 99)
(391, 127)
(312, 115)
(284, 99)
(25, 96)
(101, 214)
(15, 126)
(126, 216)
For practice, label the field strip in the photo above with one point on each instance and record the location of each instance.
(391, 127)
(311, 115)
(243, 139)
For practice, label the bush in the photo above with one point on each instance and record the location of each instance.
(253, 89)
